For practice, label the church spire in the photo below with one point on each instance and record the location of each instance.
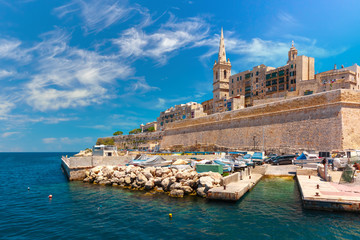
(222, 53)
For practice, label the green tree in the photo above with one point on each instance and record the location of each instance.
(135, 131)
(105, 141)
(118, 133)
(150, 129)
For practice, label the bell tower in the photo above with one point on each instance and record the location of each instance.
(221, 74)
(292, 53)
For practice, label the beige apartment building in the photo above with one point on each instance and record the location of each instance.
(180, 112)
(268, 82)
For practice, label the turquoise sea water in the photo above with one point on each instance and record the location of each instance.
(272, 210)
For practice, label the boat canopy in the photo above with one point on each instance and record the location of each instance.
(257, 155)
(302, 157)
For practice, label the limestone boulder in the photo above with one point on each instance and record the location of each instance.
(127, 180)
(158, 189)
(187, 189)
(149, 184)
(165, 184)
(151, 170)
(175, 185)
(119, 174)
(148, 174)
(201, 192)
(180, 175)
(215, 175)
(206, 182)
(132, 176)
(107, 172)
(157, 181)
(141, 178)
(176, 193)
(158, 172)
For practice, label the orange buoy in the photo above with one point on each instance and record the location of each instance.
(50, 196)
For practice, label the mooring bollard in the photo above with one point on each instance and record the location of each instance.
(224, 187)
(317, 186)
(309, 176)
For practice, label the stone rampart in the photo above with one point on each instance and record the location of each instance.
(323, 122)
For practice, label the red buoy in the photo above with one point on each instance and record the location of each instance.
(50, 196)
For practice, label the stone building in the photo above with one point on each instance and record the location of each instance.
(180, 112)
(144, 128)
(268, 82)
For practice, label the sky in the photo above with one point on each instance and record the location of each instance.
(74, 70)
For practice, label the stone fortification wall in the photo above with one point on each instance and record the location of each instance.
(312, 122)
(136, 140)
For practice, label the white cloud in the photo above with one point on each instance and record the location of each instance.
(8, 134)
(98, 15)
(5, 73)
(286, 18)
(166, 103)
(259, 51)
(172, 36)
(67, 140)
(49, 140)
(5, 107)
(10, 49)
(69, 77)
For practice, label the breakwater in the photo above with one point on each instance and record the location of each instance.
(175, 182)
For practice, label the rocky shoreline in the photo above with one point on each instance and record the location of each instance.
(174, 182)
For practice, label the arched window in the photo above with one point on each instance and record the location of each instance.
(224, 73)
(216, 75)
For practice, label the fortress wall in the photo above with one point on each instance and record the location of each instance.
(312, 122)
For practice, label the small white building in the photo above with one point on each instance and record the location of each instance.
(105, 151)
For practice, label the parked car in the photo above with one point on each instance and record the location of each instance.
(270, 159)
(283, 160)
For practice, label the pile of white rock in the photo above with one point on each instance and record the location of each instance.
(162, 179)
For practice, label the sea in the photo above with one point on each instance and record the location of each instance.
(77, 210)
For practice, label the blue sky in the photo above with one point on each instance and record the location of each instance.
(74, 70)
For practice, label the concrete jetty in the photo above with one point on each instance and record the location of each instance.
(233, 187)
(321, 195)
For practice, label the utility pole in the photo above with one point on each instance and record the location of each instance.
(254, 138)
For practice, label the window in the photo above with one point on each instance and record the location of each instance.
(232, 92)
(274, 81)
(224, 73)
(216, 75)
(257, 73)
(237, 78)
(281, 73)
(274, 88)
(268, 83)
(268, 76)
(232, 80)
(281, 87)
(240, 77)
(281, 80)
(257, 80)
(247, 75)
(292, 66)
